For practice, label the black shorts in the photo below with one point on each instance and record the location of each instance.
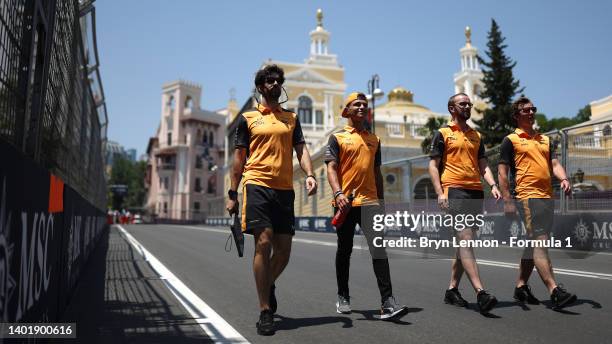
(465, 202)
(263, 207)
(537, 215)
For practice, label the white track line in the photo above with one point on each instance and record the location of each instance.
(579, 273)
(212, 323)
(559, 271)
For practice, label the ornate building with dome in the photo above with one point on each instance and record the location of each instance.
(315, 92)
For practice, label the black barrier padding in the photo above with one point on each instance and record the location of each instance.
(29, 241)
(83, 226)
(35, 281)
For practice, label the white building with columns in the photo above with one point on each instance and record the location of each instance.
(469, 79)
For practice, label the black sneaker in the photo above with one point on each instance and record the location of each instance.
(453, 297)
(265, 325)
(390, 309)
(523, 294)
(272, 300)
(486, 301)
(561, 298)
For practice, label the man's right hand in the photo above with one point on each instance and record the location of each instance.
(509, 207)
(343, 202)
(443, 202)
(231, 206)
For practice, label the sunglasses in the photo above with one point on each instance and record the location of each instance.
(271, 80)
(465, 104)
(529, 109)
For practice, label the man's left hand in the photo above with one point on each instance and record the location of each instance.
(495, 192)
(311, 186)
(566, 187)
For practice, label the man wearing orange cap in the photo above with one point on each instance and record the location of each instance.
(353, 167)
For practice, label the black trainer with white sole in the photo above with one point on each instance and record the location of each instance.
(390, 309)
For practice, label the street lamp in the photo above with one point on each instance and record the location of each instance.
(374, 92)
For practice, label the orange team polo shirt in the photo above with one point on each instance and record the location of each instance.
(269, 136)
(459, 152)
(530, 161)
(357, 153)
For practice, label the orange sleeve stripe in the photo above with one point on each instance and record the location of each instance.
(56, 194)
(244, 205)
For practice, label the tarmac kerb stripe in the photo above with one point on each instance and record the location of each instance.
(219, 330)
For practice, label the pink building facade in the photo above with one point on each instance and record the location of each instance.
(184, 178)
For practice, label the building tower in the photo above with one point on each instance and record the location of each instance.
(315, 88)
(319, 45)
(184, 155)
(469, 79)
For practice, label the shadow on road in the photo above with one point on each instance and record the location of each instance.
(375, 315)
(287, 323)
(119, 299)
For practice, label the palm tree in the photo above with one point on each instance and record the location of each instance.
(432, 124)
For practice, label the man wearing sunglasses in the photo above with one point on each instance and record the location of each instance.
(263, 160)
(530, 157)
(456, 165)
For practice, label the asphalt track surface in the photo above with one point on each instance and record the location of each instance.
(306, 292)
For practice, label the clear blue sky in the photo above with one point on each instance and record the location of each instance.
(562, 49)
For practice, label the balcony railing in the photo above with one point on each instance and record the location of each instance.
(167, 166)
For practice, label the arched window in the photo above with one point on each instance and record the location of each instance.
(171, 104)
(205, 138)
(607, 130)
(424, 189)
(305, 110)
(188, 102)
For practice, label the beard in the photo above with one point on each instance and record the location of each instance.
(465, 114)
(273, 93)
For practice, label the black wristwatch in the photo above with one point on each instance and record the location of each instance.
(233, 195)
(494, 186)
(313, 177)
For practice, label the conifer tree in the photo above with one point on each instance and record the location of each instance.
(500, 89)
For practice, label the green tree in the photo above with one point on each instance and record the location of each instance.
(432, 124)
(559, 123)
(136, 189)
(583, 114)
(131, 174)
(500, 88)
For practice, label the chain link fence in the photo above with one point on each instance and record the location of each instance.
(51, 99)
(584, 150)
(587, 157)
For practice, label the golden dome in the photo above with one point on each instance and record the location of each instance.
(400, 94)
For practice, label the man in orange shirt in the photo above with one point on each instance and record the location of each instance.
(263, 158)
(530, 157)
(456, 165)
(353, 167)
